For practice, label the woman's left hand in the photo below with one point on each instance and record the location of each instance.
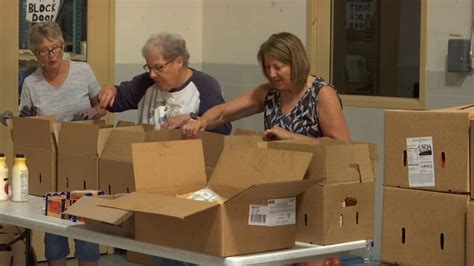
(277, 133)
(176, 122)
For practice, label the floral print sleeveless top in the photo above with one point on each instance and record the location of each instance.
(303, 119)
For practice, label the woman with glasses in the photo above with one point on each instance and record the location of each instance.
(169, 92)
(295, 104)
(65, 89)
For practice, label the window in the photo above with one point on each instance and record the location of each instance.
(371, 50)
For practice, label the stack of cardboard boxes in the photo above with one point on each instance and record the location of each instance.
(340, 208)
(428, 167)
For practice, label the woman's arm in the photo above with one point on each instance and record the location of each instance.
(249, 103)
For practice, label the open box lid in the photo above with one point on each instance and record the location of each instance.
(43, 128)
(334, 161)
(243, 167)
(117, 146)
(155, 203)
(89, 208)
(168, 164)
(273, 190)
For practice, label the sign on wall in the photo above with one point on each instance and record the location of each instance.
(42, 10)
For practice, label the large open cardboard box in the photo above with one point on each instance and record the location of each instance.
(429, 149)
(248, 179)
(423, 227)
(36, 138)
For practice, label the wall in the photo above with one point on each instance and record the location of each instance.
(224, 36)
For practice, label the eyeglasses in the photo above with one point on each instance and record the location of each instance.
(156, 68)
(53, 50)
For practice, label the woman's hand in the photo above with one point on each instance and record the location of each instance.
(192, 128)
(176, 122)
(107, 96)
(277, 133)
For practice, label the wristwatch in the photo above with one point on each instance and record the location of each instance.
(193, 116)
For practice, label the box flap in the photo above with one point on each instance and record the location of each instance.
(276, 190)
(168, 164)
(242, 166)
(159, 204)
(42, 128)
(117, 147)
(89, 208)
(78, 138)
(243, 131)
(348, 163)
(164, 135)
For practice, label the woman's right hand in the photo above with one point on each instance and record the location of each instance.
(107, 96)
(192, 128)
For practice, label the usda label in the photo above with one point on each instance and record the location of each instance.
(420, 162)
(276, 212)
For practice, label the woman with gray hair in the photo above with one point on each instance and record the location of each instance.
(65, 89)
(169, 92)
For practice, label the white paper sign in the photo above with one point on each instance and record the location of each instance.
(42, 10)
(276, 212)
(420, 162)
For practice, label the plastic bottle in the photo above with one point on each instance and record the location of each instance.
(369, 252)
(172, 108)
(3, 178)
(20, 179)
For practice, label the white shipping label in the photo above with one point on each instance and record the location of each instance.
(277, 212)
(420, 162)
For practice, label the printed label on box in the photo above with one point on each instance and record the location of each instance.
(420, 162)
(276, 212)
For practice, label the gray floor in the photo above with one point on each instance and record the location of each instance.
(105, 260)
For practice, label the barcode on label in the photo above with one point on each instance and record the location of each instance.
(258, 218)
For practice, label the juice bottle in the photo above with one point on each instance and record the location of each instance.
(20, 179)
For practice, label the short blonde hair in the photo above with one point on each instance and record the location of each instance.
(288, 49)
(168, 45)
(48, 29)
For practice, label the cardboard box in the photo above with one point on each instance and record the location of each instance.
(140, 258)
(429, 149)
(102, 219)
(423, 227)
(336, 213)
(80, 146)
(249, 179)
(40, 151)
(115, 161)
(470, 234)
(15, 256)
(333, 162)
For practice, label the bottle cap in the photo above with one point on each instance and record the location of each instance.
(20, 155)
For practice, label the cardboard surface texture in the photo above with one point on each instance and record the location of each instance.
(470, 234)
(423, 227)
(80, 146)
(448, 133)
(243, 176)
(336, 213)
(333, 162)
(40, 151)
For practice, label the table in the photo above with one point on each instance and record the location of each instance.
(29, 215)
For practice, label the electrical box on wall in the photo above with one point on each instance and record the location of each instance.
(459, 58)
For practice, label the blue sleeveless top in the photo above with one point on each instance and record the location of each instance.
(303, 119)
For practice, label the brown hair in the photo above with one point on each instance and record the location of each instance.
(288, 49)
(48, 29)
